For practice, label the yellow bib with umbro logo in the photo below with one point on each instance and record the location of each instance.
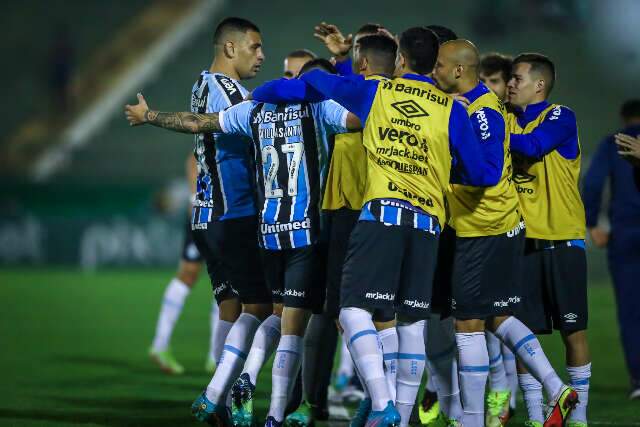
(406, 136)
(548, 189)
(347, 175)
(485, 211)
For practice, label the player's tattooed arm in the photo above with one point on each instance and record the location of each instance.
(185, 122)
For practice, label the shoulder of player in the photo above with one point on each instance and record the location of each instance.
(560, 112)
(225, 88)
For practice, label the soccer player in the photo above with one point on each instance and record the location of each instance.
(224, 214)
(295, 60)
(546, 160)
(291, 157)
(623, 250)
(374, 58)
(495, 72)
(175, 294)
(413, 132)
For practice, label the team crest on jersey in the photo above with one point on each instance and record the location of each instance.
(410, 109)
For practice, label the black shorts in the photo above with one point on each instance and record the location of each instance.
(190, 252)
(295, 276)
(486, 275)
(441, 299)
(554, 287)
(230, 249)
(389, 266)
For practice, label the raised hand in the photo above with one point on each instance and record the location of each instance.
(629, 147)
(137, 114)
(333, 39)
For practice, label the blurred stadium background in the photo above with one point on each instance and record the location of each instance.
(91, 211)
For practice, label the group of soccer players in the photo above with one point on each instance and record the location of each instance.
(395, 192)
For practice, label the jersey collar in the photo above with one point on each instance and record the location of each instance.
(530, 113)
(476, 92)
(418, 77)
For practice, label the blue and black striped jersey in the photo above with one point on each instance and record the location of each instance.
(292, 157)
(224, 187)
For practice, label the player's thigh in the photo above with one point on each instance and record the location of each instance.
(342, 223)
(534, 306)
(442, 286)
(372, 267)
(413, 299)
(567, 267)
(300, 275)
(241, 258)
(274, 267)
(502, 275)
(208, 242)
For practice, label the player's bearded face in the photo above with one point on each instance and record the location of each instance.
(249, 55)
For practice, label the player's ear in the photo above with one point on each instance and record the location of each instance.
(364, 63)
(229, 49)
(400, 61)
(540, 85)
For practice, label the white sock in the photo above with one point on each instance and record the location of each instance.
(233, 356)
(411, 360)
(443, 365)
(497, 374)
(532, 395)
(474, 369)
(360, 378)
(172, 303)
(579, 380)
(285, 369)
(526, 346)
(389, 340)
(264, 342)
(346, 362)
(367, 353)
(512, 373)
(219, 337)
(215, 348)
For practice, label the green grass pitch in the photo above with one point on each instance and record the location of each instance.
(73, 351)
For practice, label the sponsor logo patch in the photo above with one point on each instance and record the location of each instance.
(410, 109)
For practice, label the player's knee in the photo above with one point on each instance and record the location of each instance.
(230, 309)
(294, 320)
(188, 273)
(469, 325)
(261, 311)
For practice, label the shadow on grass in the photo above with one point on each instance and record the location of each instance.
(112, 419)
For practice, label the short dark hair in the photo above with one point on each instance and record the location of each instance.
(302, 53)
(233, 24)
(444, 34)
(541, 64)
(495, 62)
(369, 28)
(419, 46)
(381, 51)
(630, 109)
(321, 63)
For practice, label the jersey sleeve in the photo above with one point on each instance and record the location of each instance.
(489, 127)
(333, 116)
(354, 93)
(286, 91)
(558, 131)
(235, 120)
(345, 68)
(595, 179)
(468, 160)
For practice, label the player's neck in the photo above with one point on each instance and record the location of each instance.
(467, 85)
(224, 67)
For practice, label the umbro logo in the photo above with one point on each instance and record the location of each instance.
(570, 317)
(522, 177)
(410, 109)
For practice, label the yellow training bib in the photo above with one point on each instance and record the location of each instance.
(548, 190)
(407, 141)
(485, 211)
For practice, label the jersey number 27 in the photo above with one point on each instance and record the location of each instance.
(270, 153)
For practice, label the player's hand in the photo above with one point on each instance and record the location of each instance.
(599, 236)
(333, 39)
(461, 99)
(629, 147)
(137, 114)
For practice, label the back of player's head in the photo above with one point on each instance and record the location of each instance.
(541, 65)
(302, 53)
(369, 28)
(493, 63)
(380, 51)
(232, 24)
(419, 46)
(444, 34)
(630, 110)
(319, 64)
